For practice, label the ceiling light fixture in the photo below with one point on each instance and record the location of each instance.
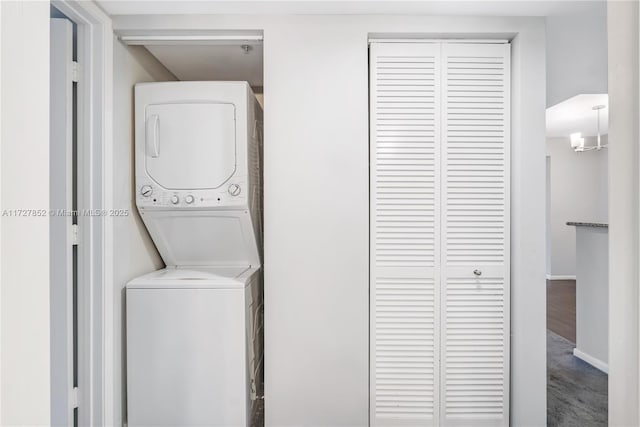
(577, 141)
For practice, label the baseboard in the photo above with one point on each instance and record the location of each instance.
(554, 277)
(596, 363)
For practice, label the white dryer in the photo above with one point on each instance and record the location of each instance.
(194, 329)
(198, 179)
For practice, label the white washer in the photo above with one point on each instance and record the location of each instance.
(193, 340)
(194, 329)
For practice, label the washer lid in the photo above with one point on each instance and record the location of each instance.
(190, 145)
(230, 277)
(201, 273)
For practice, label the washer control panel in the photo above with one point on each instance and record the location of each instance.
(230, 194)
(146, 190)
(234, 189)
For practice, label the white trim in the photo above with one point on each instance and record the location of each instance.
(163, 40)
(61, 228)
(596, 363)
(437, 40)
(1, 338)
(609, 189)
(198, 37)
(560, 277)
(95, 320)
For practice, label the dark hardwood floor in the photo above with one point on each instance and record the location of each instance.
(561, 308)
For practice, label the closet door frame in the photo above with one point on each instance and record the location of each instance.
(439, 266)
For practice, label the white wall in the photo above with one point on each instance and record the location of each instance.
(592, 296)
(578, 193)
(24, 241)
(577, 52)
(624, 229)
(528, 306)
(133, 251)
(317, 204)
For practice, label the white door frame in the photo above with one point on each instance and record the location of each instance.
(61, 225)
(95, 171)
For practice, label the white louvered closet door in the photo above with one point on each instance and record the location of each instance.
(439, 279)
(405, 234)
(475, 235)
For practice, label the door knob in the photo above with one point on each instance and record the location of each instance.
(477, 272)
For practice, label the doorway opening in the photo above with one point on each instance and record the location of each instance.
(577, 267)
(576, 147)
(163, 56)
(64, 265)
(80, 127)
(577, 261)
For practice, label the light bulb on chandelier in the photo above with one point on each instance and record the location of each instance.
(577, 141)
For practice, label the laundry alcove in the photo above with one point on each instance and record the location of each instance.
(192, 333)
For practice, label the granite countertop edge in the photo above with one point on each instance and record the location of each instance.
(588, 224)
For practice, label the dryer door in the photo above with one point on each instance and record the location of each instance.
(190, 145)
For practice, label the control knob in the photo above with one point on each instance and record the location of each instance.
(234, 189)
(146, 190)
(175, 199)
(189, 199)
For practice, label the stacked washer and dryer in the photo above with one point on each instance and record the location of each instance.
(194, 329)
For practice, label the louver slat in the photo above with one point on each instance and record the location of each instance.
(405, 223)
(475, 198)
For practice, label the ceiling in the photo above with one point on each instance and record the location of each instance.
(271, 7)
(213, 62)
(577, 115)
(206, 61)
